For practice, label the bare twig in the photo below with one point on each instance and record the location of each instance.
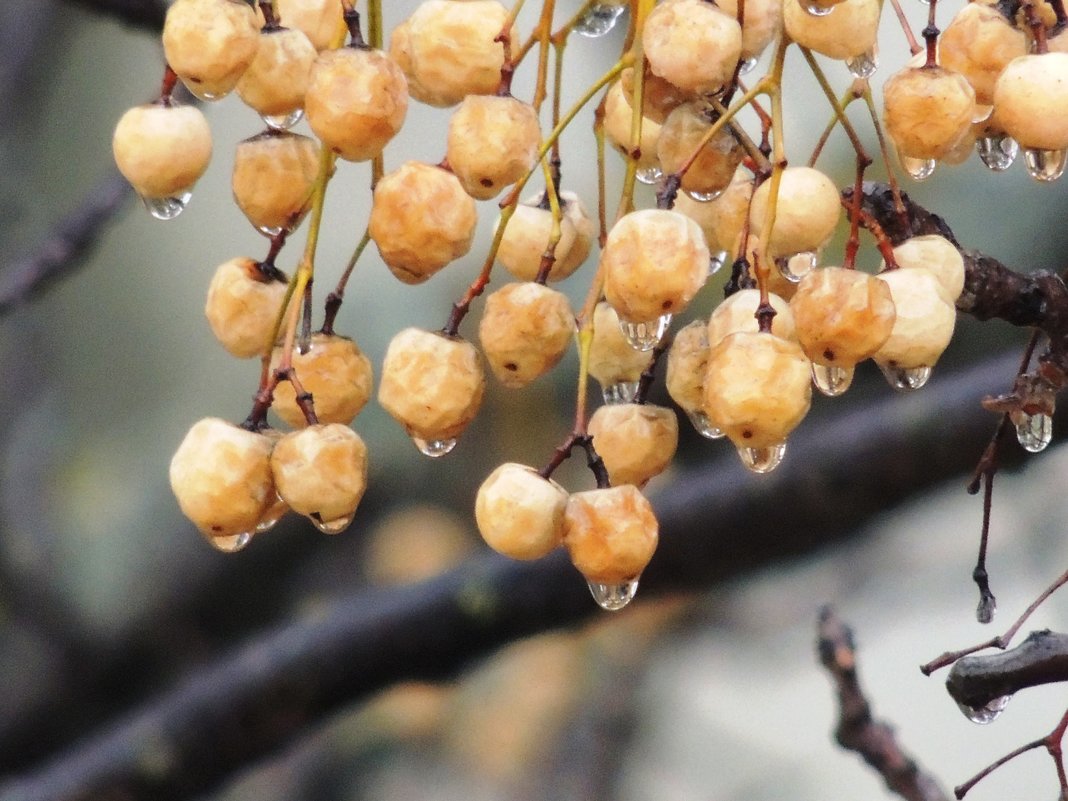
(1042, 658)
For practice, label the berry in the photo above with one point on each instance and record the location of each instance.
(618, 117)
(722, 219)
(924, 323)
(612, 360)
(162, 149)
(243, 306)
(526, 238)
(1031, 101)
(525, 331)
(807, 210)
(659, 97)
(738, 313)
(686, 365)
(492, 142)
(927, 111)
(519, 513)
(275, 82)
(421, 219)
(635, 441)
(681, 133)
(274, 175)
(210, 43)
(336, 373)
(763, 23)
(848, 31)
(692, 44)
(937, 254)
(322, 21)
(610, 534)
(979, 43)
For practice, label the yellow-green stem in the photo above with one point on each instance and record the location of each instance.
(773, 82)
(839, 109)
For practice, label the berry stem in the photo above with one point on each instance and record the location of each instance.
(772, 84)
(1051, 742)
(552, 194)
(335, 298)
(838, 108)
(170, 80)
(906, 28)
(884, 151)
(821, 143)
(930, 36)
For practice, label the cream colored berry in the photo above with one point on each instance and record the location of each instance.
(636, 441)
(659, 97)
(738, 313)
(221, 476)
(210, 43)
(274, 174)
(322, 21)
(519, 513)
(162, 149)
(1031, 101)
(618, 118)
(927, 110)
(682, 133)
(612, 360)
(356, 102)
(924, 323)
(526, 329)
(937, 254)
(807, 211)
(421, 219)
(763, 23)
(526, 238)
(757, 389)
(610, 534)
(693, 44)
(243, 306)
(842, 316)
(275, 82)
(432, 384)
(687, 361)
(321, 472)
(979, 42)
(335, 371)
(847, 32)
(492, 142)
(447, 49)
(654, 262)
(722, 219)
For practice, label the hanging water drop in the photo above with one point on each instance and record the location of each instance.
(613, 597)
(620, 392)
(1034, 431)
(917, 169)
(985, 714)
(434, 448)
(269, 230)
(645, 336)
(599, 20)
(762, 460)
(283, 122)
(815, 9)
(703, 425)
(1045, 165)
(797, 266)
(905, 379)
(997, 152)
(703, 197)
(207, 97)
(167, 208)
(981, 113)
(863, 65)
(271, 517)
(984, 612)
(746, 65)
(332, 526)
(831, 379)
(649, 175)
(716, 261)
(231, 544)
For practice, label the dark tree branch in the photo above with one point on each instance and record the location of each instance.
(146, 14)
(1042, 658)
(857, 731)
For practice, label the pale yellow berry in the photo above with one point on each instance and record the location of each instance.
(1031, 101)
(274, 174)
(927, 110)
(722, 219)
(210, 43)
(937, 254)
(421, 219)
(738, 313)
(636, 441)
(431, 384)
(526, 329)
(321, 20)
(778, 283)
(979, 42)
(848, 31)
(321, 472)
(275, 82)
(519, 513)
(687, 363)
(610, 534)
(758, 388)
(659, 97)
(693, 44)
(243, 306)
(654, 262)
(682, 133)
(356, 102)
(612, 360)
(807, 211)
(924, 323)
(763, 23)
(335, 371)
(618, 119)
(162, 149)
(492, 142)
(526, 238)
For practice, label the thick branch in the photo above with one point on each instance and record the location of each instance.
(1042, 658)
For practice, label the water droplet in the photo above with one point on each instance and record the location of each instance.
(762, 460)
(985, 714)
(599, 20)
(704, 425)
(997, 152)
(167, 208)
(1034, 431)
(434, 448)
(984, 612)
(746, 65)
(917, 169)
(231, 544)
(831, 379)
(863, 65)
(716, 262)
(905, 379)
(1045, 165)
(703, 197)
(797, 266)
(981, 113)
(283, 122)
(207, 97)
(620, 392)
(649, 175)
(332, 526)
(275, 512)
(645, 336)
(269, 230)
(613, 597)
(815, 9)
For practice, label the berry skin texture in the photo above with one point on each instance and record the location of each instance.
(356, 101)
(937, 254)
(848, 31)
(681, 133)
(320, 20)
(617, 123)
(763, 21)
(1031, 101)
(274, 174)
(692, 44)
(526, 238)
(525, 331)
(335, 371)
(612, 359)
(242, 307)
(421, 219)
(808, 207)
(738, 313)
(431, 384)
(979, 43)
(210, 43)
(221, 476)
(492, 143)
(687, 362)
(924, 323)
(519, 513)
(758, 388)
(162, 150)
(610, 534)
(654, 262)
(321, 472)
(721, 219)
(275, 82)
(927, 110)
(636, 441)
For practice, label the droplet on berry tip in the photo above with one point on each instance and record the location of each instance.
(918, 169)
(997, 152)
(1045, 165)
(599, 20)
(703, 425)
(762, 460)
(1034, 431)
(645, 336)
(613, 597)
(283, 122)
(434, 448)
(905, 379)
(830, 379)
(167, 208)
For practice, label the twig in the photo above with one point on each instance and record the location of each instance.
(1042, 658)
